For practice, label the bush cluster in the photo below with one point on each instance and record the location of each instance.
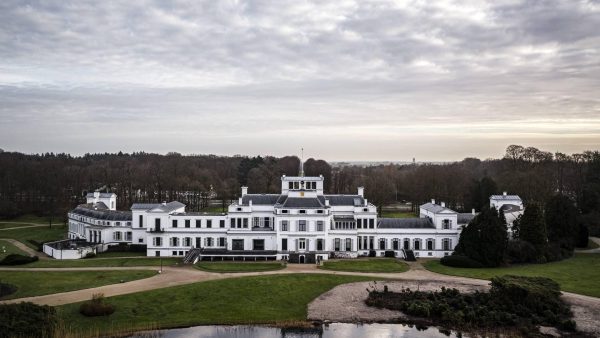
(124, 247)
(96, 307)
(27, 320)
(372, 253)
(390, 254)
(460, 261)
(16, 259)
(7, 289)
(520, 252)
(513, 301)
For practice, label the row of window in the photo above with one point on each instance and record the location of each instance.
(302, 185)
(368, 242)
(196, 242)
(301, 225)
(94, 221)
(302, 211)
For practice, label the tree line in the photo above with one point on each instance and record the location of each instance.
(53, 183)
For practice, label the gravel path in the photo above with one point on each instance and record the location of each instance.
(25, 248)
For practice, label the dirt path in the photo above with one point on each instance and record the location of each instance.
(24, 226)
(344, 303)
(25, 248)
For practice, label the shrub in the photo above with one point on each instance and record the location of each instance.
(7, 289)
(16, 259)
(553, 253)
(27, 320)
(390, 254)
(96, 307)
(520, 252)
(90, 255)
(372, 253)
(459, 261)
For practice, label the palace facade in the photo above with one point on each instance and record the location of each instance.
(300, 224)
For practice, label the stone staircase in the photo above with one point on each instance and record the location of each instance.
(409, 255)
(192, 256)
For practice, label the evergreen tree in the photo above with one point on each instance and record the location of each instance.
(516, 228)
(484, 239)
(533, 230)
(560, 215)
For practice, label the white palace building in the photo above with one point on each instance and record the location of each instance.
(301, 224)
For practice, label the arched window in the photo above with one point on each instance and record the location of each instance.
(417, 244)
(430, 244)
(446, 244)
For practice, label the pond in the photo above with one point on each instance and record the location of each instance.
(332, 330)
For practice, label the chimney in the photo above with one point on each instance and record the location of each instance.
(443, 204)
(244, 191)
(473, 211)
(433, 201)
(326, 203)
(361, 191)
(504, 193)
(250, 203)
(366, 203)
(240, 201)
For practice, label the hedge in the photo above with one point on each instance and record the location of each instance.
(16, 259)
(458, 261)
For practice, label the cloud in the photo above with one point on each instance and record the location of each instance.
(245, 76)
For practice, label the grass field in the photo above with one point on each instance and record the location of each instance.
(215, 209)
(239, 267)
(246, 300)
(396, 214)
(580, 274)
(7, 248)
(38, 234)
(366, 265)
(43, 283)
(28, 220)
(102, 262)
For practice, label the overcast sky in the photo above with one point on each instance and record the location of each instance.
(346, 80)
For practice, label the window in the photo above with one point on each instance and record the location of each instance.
(301, 243)
(430, 244)
(222, 241)
(174, 253)
(284, 244)
(174, 223)
(128, 236)
(284, 225)
(208, 241)
(232, 223)
(417, 244)
(284, 211)
(198, 242)
(266, 224)
(371, 223)
(239, 209)
(360, 242)
(157, 253)
(302, 212)
(319, 244)
(222, 223)
(336, 244)
(302, 225)
(198, 223)
(157, 224)
(140, 240)
(209, 223)
(290, 185)
(237, 244)
(446, 224)
(117, 236)
(406, 244)
(174, 241)
(348, 244)
(187, 223)
(245, 223)
(157, 241)
(258, 244)
(238, 222)
(382, 244)
(359, 223)
(395, 244)
(320, 211)
(187, 241)
(319, 225)
(141, 220)
(446, 244)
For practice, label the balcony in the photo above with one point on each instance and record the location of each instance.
(262, 229)
(156, 230)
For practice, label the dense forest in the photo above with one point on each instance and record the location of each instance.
(53, 183)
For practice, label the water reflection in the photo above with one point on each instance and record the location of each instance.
(333, 330)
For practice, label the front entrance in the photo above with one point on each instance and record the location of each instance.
(302, 259)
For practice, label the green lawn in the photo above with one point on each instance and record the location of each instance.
(38, 234)
(580, 274)
(366, 265)
(101, 262)
(245, 300)
(29, 220)
(396, 214)
(239, 267)
(43, 283)
(7, 248)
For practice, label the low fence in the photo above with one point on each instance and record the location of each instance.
(69, 249)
